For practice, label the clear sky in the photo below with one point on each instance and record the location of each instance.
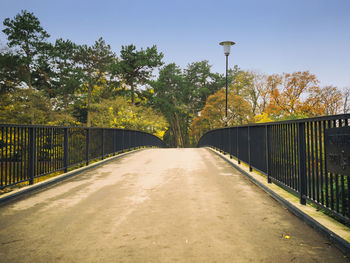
(272, 36)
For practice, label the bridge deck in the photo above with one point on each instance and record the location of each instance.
(158, 205)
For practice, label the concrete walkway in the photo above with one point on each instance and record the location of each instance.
(158, 205)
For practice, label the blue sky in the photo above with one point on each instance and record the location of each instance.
(272, 36)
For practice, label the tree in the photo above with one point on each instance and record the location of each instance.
(213, 114)
(346, 97)
(323, 101)
(169, 97)
(118, 113)
(28, 40)
(136, 67)
(95, 63)
(67, 77)
(201, 83)
(287, 93)
(250, 86)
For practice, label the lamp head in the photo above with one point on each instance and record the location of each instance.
(227, 46)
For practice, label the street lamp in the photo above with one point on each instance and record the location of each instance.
(227, 46)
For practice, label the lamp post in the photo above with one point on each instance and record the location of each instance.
(227, 46)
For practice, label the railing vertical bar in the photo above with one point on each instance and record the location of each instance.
(337, 199)
(31, 155)
(302, 163)
(26, 141)
(40, 144)
(87, 141)
(308, 160)
(6, 156)
(325, 126)
(272, 151)
(268, 153)
(282, 174)
(331, 181)
(295, 187)
(249, 150)
(22, 151)
(346, 123)
(2, 158)
(11, 179)
(289, 150)
(321, 139)
(295, 162)
(286, 154)
(317, 172)
(17, 153)
(65, 147)
(313, 161)
(342, 182)
(238, 159)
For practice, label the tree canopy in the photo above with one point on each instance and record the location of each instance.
(64, 83)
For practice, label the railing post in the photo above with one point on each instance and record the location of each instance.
(114, 142)
(249, 157)
(103, 143)
(87, 141)
(302, 162)
(239, 161)
(31, 166)
(268, 152)
(65, 150)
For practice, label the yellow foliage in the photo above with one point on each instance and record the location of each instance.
(260, 118)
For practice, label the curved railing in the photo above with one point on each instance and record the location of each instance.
(309, 157)
(28, 151)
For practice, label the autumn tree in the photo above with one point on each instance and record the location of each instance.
(346, 100)
(287, 93)
(323, 101)
(239, 112)
(251, 86)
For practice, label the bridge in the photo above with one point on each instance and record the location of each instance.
(158, 204)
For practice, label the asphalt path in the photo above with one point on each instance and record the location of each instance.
(158, 205)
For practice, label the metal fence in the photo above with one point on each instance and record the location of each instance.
(28, 152)
(309, 157)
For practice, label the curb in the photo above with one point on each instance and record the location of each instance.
(6, 198)
(341, 243)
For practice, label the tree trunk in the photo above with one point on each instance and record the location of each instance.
(132, 93)
(88, 123)
(178, 127)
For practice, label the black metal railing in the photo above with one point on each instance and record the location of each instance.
(28, 152)
(294, 155)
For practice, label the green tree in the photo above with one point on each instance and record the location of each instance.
(67, 76)
(136, 66)
(169, 96)
(27, 39)
(201, 84)
(95, 62)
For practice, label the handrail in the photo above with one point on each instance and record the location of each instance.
(31, 151)
(293, 154)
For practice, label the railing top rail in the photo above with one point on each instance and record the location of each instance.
(321, 118)
(70, 127)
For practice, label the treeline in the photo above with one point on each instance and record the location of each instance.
(63, 83)
(255, 97)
